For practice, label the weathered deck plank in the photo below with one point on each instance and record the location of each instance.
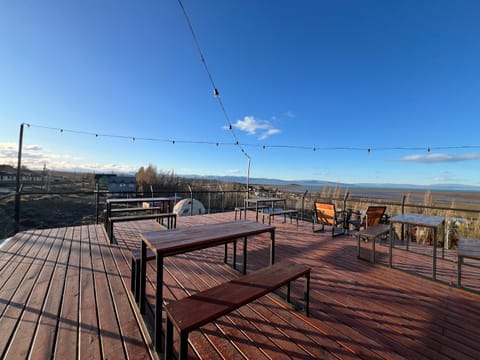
(67, 333)
(57, 299)
(64, 293)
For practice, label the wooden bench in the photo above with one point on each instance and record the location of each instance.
(252, 208)
(190, 313)
(135, 277)
(371, 233)
(171, 219)
(135, 209)
(281, 212)
(467, 248)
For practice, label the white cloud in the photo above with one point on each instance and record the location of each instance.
(268, 133)
(35, 157)
(439, 158)
(234, 172)
(446, 176)
(251, 126)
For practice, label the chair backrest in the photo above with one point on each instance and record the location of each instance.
(325, 213)
(374, 215)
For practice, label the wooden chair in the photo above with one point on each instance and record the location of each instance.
(373, 217)
(326, 214)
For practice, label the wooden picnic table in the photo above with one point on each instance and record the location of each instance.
(182, 240)
(428, 221)
(259, 201)
(165, 201)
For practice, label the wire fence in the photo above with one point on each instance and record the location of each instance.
(58, 209)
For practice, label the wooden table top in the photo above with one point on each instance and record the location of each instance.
(200, 236)
(419, 219)
(469, 247)
(374, 231)
(138, 200)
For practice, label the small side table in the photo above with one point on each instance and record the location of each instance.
(371, 233)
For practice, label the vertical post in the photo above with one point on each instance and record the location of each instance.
(403, 212)
(158, 304)
(97, 188)
(223, 198)
(345, 198)
(303, 203)
(191, 200)
(17, 187)
(248, 176)
(209, 201)
(347, 214)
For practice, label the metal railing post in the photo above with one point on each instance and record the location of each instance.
(16, 215)
(97, 188)
(303, 203)
(191, 200)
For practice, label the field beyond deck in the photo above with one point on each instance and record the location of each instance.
(64, 294)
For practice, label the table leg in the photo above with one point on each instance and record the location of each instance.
(256, 211)
(143, 275)
(459, 271)
(443, 240)
(225, 253)
(435, 231)
(390, 235)
(244, 255)
(358, 246)
(272, 247)
(159, 304)
(307, 293)
(169, 339)
(373, 249)
(409, 232)
(234, 255)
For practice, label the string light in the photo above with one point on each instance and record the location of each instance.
(259, 146)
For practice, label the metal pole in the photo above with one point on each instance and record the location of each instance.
(97, 188)
(222, 193)
(403, 212)
(17, 187)
(303, 203)
(248, 176)
(209, 200)
(191, 199)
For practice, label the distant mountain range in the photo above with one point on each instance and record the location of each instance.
(320, 183)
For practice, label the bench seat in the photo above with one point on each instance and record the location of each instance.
(279, 213)
(192, 312)
(135, 209)
(252, 208)
(171, 219)
(467, 248)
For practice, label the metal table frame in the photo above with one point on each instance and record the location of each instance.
(182, 240)
(258, 201)
(428, 221)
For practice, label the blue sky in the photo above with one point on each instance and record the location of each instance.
(397, 77)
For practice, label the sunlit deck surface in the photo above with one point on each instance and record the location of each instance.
(64, 293)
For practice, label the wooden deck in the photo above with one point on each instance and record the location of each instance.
(64, 293)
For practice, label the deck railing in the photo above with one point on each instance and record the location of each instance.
(56, 209)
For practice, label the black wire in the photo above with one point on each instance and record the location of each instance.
(214, 87)
(260, 146)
